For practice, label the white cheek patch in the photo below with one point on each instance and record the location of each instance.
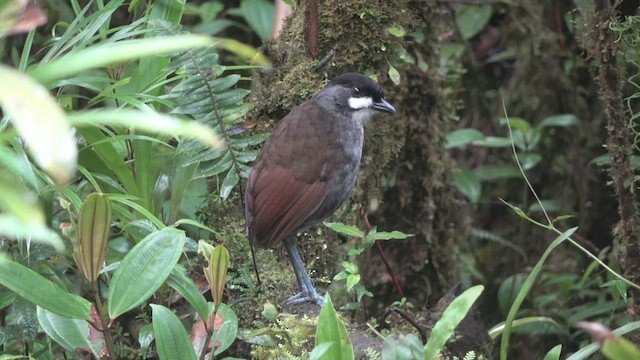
(358, 103)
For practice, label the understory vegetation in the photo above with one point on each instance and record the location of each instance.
(495, 216)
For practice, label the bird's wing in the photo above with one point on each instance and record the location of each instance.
(288, 180)
(279, 204)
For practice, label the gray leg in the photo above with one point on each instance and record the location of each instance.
(307, 291)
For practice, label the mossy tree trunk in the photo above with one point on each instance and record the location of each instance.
(602, 44)
(407, 147)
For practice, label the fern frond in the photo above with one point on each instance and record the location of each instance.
(209, 94)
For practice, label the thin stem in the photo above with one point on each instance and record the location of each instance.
(396, 283)
(526, 179)
(108, 341)
(205, 347)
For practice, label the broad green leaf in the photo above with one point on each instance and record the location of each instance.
(115, 52)
(72, 334)
(344, 229)
(564, 120)
(172, 340)
(517, 123)
(226, 334)
(468, 184)
(331, 330)
(40, 122)
(225, 326)
(394, 75)
(507, 291)
(529, 160)
(269, 311)
(183, 284)
(145, 338)
(40, 291)
(471, 19)
(462, 137)
(402, 347)
(352, 280)
(350, 267)
(259, 15)
(147, 121)
(451, 317)
(144, 269)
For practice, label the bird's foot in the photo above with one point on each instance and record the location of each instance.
(305, 296)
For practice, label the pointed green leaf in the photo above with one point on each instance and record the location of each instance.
(352, 280)
(147, 121)
(344, 229)
(394, 75)
(471, 19)
(114, 52)
(331, 330)
(40, 291)
(462, 137)
(563, 120)
(468, 184)
(451, 317)
(144, 269)
(554, 354)
(72, 334)
(179, 280)
(172, 340)
(259, 15)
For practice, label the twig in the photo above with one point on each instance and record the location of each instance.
(396, 283)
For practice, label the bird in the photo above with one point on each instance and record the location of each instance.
(308, 168)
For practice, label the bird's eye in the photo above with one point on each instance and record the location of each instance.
(355, 91)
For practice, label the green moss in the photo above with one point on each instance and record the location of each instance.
(296, 344)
